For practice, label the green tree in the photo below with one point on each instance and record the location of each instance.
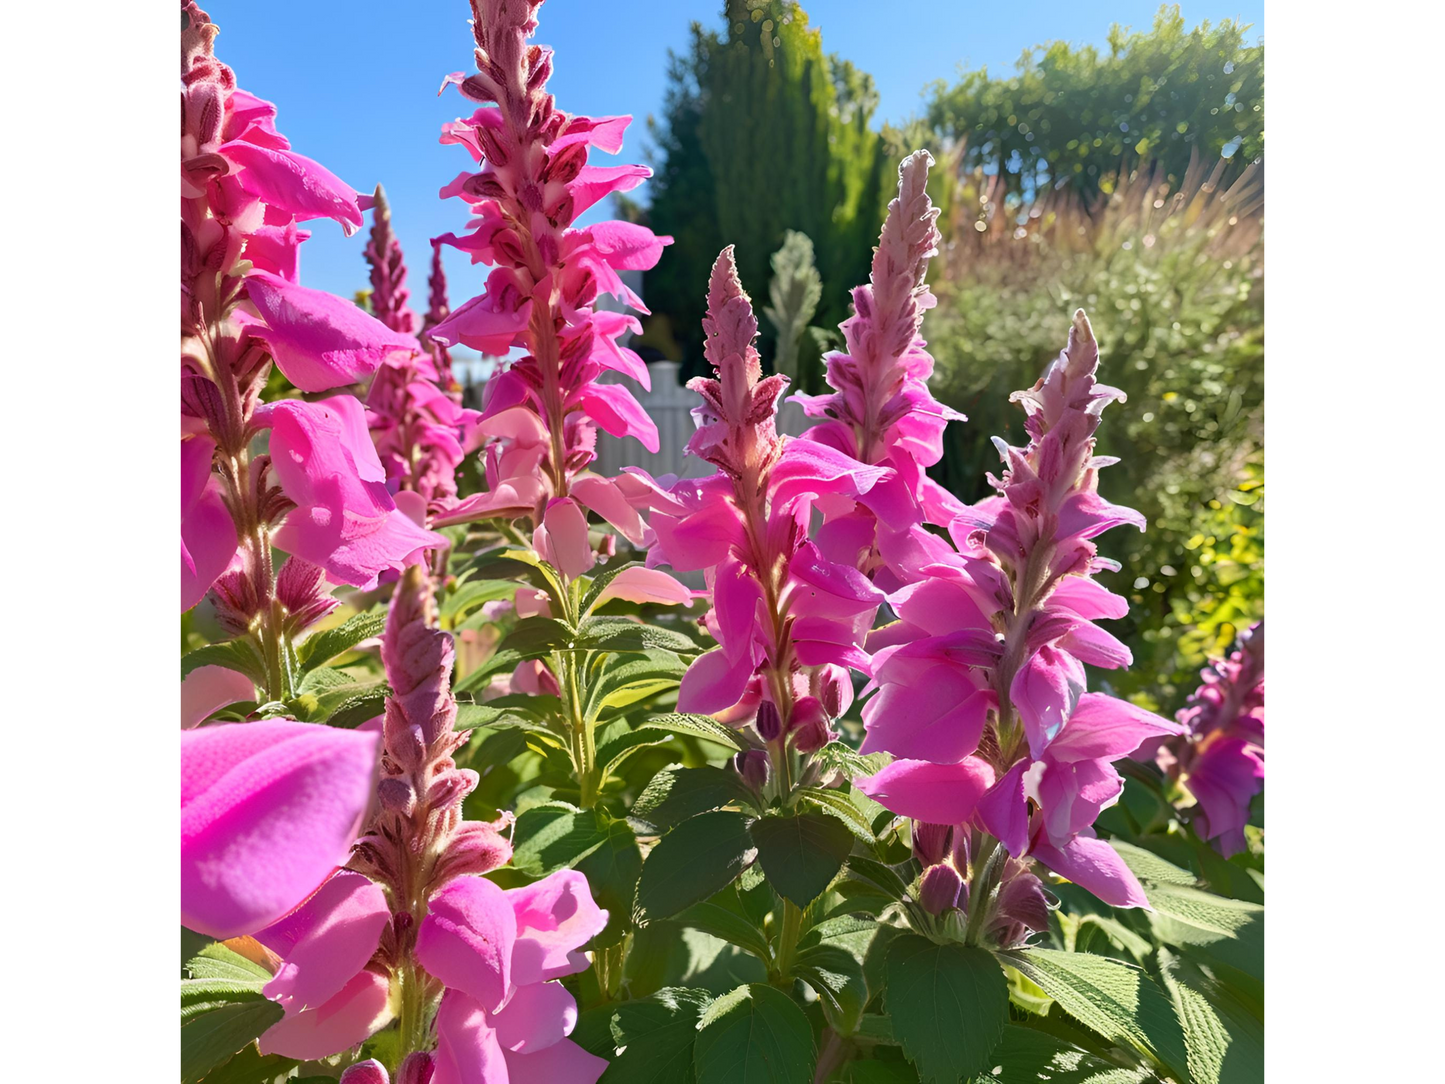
(762, 132)
(1073, 115)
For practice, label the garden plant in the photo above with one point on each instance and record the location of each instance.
(801, 770)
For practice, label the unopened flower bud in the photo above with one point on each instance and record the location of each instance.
(808, 725)
(370, 1071)
(931, 842)
(835, 690)
(396, 795)
(754, 767)
(940, 889)
(452, 788)
(417, 1068)
(769, 722)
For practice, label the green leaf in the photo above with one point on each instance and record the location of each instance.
(216, 961)
(625, 634)
(847, 760)
(209, 1039)
(836, 976)
(658, 1033)
(1225, 1041)
(555, 836)
(1116, 999)
(801, 854)
(502, 659)
(1148, 866)
(701, 726)
(679, 793)
(754, 1035)
(472, 594)
(690, 863)
(619, 746)
(729, 925)
(878, 875)
(627, 682)
(948, 1004)
(1026, 1056)
(240, 655)
(322, 647)
(835, 803)
(533, 637)
(250, 1066)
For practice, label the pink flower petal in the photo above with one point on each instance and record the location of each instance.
(467, 939)
(208, 536)
(1104, 727)
(207, 689)
(483, 324)
(326, 941)
(319, 340)
(294, 184)
(1004, 811)
(646, 585)
(467, 1048)
(349, 1018)
(1094, 865)
(268, 810)
(713, 682)
(603, 496)
(555, 917)
(537, 1015)
(627, 245)
(561, 538)
(939, 793)
(938, 716)
(561, 1063)
(615, 410)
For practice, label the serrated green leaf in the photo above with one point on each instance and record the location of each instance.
(240, 655)
(697, 858)
(658, 1033)
(472, 594)
(844, 758)
(1224, 1040)
(322, 647)
(729, 925)
(622, 634)
(1113, 998)
(250, 1066)
(216, 961)
(801, 854)
(533, 637)
(620, 745)
(836, 976)
(676, 794)
(626, 682)
(1026, 1056)
(702, 726)
(878, 875)
(948, 1004)
(753, 1035)
(1148, 866)
(612, 870)
(209, 1039)
(552, 837)
(837, 804)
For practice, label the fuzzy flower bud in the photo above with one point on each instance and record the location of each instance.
(755, 768)
(370, 1071)
(931, 842)
(769, 723)
(940, 889)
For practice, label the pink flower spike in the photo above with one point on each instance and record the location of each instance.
(207, 689)
(467, 940)
(326, 941)
(940, 793)
(349, 1018)
(345, 520)
(555, 918)
(319, 340)
(268, 810)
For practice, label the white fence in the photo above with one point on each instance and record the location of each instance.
(669, 404)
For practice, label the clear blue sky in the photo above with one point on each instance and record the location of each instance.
(355, 83)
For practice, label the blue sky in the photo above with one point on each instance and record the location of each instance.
(355, 83)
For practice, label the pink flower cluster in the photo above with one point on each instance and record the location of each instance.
(541, 412)
(1221, 755)
(881, 411)
(243, 193)
(421, 431)
(980, 686)
(788, 621)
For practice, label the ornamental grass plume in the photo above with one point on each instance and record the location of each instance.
(541, 412)
(1220, 756)
(981, 686)
(411, 925)
(319, 493)
(421, 432)
(788, 621)
(881, 411)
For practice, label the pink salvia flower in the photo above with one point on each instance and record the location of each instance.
(412, 917)
(243, 194)
(992, 644)
(783, 614)
(881, 411)
(541, 296)
(421, 432)
(1221, 754)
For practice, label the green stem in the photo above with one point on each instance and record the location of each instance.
(411, 1030)
(980, 888)
(790, 925)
